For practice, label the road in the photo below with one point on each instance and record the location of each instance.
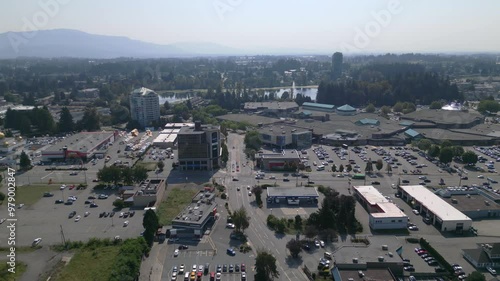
(258, 233)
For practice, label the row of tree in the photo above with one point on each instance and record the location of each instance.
(446, 152)
(127, 175)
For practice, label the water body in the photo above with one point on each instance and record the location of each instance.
(307, 92)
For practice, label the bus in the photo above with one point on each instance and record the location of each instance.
(358, 176)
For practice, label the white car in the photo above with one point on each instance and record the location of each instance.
(77, 218)
(121, 214)
(322, 243)
(316, 243)
(416, 212)
(125, 223)
(176, 252)
(62, 187)
(491, 270)
(37, 241)
(230, 226)
(86, 214)
(480, 177)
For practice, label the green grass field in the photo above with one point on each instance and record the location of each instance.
(150, 166)
(29, 195)
(177, 200)
(8, 276)
(89, 264)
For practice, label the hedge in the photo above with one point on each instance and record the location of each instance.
(425, 245)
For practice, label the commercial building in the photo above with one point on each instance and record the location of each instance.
(199, 147)
(486, 255)
(283, 136)
(272, 108)
(318, 107)
(84, 146)
(167, 138)
(346, 110)
(148, 193)
(287, 160)
(472, 202)
(292, 196)
(144, 106)
(197, 216)
(443, 215)
(383, 214)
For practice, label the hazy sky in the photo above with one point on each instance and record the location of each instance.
(319, 25)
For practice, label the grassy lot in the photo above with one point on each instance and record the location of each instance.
(29, 195)
(150, 166)
(177, 200)
(6, 275)
(89, 264)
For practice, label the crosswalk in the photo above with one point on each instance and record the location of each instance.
(195, 253)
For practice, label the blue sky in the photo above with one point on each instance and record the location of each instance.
(318, 25)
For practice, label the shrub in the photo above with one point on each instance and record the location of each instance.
(223, 196)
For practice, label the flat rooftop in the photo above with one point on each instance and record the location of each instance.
(281, 130)
(252, 119)
(434, 203)
(81, 141)
(191, 130)
(275, 105)
(201, 206)
(472, 203)
(443, 116)
(285, 154)
(371, 274)
(292, 192)
(464, 134)
(371, 194)
(344, 255)
(385, 208)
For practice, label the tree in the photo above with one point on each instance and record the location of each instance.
(385, 110)
(310, 231)
(446, 143)
(252, 140)
(334, 168)
(491, 106)
(166, 105)
(150, 222)
(457, 150)
(434, 151)
(436, 105)
(160, 165)
(398, 107)
(379, 165)
(140, 174)
(24, 161)
(341, 168)
(257, 191)
(110, 174)
(475, 276)
(424, 144)
(241, 219)
(298, 222)
(370, 108)
(469, 157)
(90, 120)
(265, 266)
(446, 155)
(66, 123)
(127, 175)
(225, 153)
(295, 247)
(369, 166)
(348, 168)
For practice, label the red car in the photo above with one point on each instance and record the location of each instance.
(243, 269)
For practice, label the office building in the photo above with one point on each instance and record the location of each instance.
(199, 147)
(144, 106)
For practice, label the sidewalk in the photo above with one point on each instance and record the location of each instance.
(152, 266)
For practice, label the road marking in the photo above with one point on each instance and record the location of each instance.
(47, 175)
(277, 251)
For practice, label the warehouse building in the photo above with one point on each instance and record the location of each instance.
(83, 146)
(383, 214)
(443, 215)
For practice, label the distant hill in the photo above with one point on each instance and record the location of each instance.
(78, 44)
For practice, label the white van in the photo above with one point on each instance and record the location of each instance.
(186, 276)
(320, 168)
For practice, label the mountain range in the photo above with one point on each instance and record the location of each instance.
(78, 44)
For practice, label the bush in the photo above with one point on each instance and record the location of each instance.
(412, 240)
(425, 245)
(2, 196)
(223, 196)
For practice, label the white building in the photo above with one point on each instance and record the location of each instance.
(443, 215)
(383, 213)
(144, 106)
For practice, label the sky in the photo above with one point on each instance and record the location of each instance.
(356, 26)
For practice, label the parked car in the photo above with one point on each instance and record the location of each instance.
(491, 270)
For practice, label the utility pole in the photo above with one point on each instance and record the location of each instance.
(62, 236)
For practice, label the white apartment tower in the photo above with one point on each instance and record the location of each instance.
(144, 106)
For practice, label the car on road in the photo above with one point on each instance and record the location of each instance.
(73, 173)
(491, 270)
(413, 227)
(36, 241)
(286, 180)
